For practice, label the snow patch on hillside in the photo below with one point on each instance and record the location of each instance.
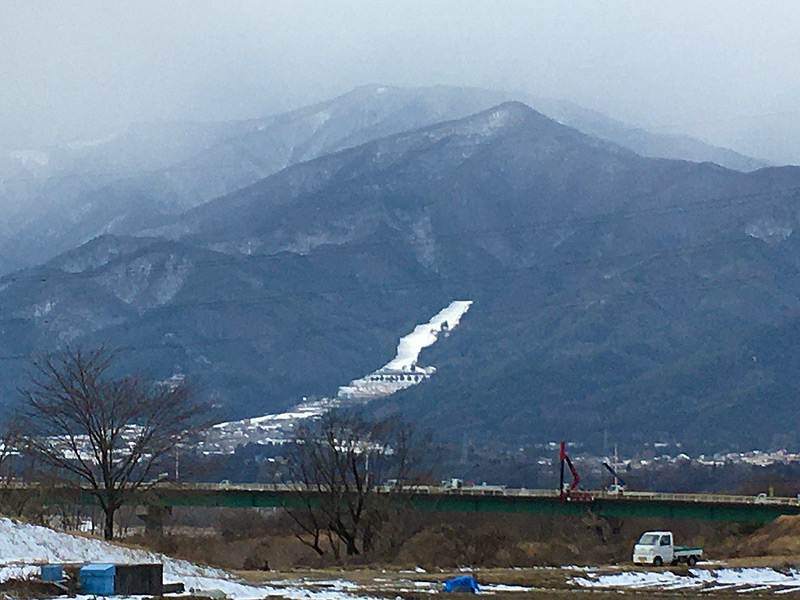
(31, 157)
(22, 546)
(148, 281)
(769, 230)
(93, 143)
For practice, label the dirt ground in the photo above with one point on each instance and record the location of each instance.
(532, 583)
(775, 545)
(537, 582)
(26, 588)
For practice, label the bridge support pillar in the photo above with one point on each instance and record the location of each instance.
(153, 517)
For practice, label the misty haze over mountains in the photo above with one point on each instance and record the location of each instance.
(617, 275)
(53, 199)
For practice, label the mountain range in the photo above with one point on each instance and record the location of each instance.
(615, 295)
(55, 199)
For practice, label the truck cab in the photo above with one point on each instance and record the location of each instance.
(654, 548)
(657, 548)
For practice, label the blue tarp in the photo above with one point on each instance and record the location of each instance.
(465, 584)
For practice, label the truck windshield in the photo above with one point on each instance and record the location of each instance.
(648, 539)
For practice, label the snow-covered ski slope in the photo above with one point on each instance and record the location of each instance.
(426, 335)
(399, 373)
(403, 371)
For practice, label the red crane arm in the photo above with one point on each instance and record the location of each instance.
(575, 477)
(562, 456)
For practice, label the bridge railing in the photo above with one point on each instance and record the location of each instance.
(474, 491)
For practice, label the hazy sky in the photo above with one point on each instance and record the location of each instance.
(725, 71)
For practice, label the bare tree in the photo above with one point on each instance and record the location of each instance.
(108, 434)
(339, 463)
(13, 501)
(8, 440)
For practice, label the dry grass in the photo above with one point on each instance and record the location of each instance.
(244, 540)
(28, 588)
(541, 583)
(781, 537)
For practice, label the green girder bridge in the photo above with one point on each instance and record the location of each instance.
(496, 499)
(474, 499)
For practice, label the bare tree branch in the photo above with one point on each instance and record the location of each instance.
(108, 433)
(338, 462)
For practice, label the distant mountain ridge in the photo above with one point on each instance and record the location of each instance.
(640, 140)
(68, 195)
(610, 291)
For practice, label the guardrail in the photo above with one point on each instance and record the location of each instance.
(468, 491)
(498, 491)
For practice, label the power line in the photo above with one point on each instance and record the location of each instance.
(493, 274)
(608, 217)
(405, 287)
(625, 296)
(456, 236)
(596, 219)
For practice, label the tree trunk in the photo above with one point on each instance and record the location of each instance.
(108, 527)
(352, 549)
(366, 538)
(350, 541)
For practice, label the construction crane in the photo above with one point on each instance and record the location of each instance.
(619, 485)
(571, 492)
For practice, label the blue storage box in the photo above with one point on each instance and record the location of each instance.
(52, 573)
(98, 578)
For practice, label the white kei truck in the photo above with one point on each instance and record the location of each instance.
(656, 548)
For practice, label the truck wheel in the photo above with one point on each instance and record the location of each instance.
(658, 561)
(691, 561)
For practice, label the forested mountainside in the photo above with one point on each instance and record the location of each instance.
(614, 295)
(57, 198)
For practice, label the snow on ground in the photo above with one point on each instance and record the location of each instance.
(409, 586)
(22, 546)
(277, 422)
(17, 572)
(493, 588)
(744, 579)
